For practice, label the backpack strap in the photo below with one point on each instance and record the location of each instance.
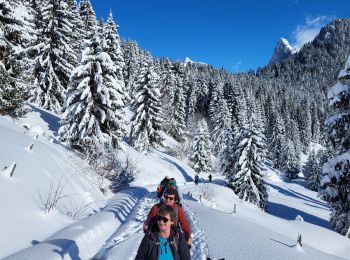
(175, 241)
(176, 208)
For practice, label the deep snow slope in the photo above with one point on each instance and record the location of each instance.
(22, 197)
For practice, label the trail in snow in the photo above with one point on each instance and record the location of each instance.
(199, 248)
(128, 236)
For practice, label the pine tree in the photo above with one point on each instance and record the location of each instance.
(217, 94)
(221, 126)
(200, 153)
(88, 17)
(77, 35)
(89, 120)
(56, 58)
(276, 144)
(177, 124)
(168, 83)
(335, 184)
(313, 171)
(305, 125)
(147, 120)
(226, 158)
(290, 160)
(15, 34)
(316, 132)
(247, 179)
(132, 59)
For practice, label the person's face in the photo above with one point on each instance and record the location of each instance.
(164, 222)
(169, 199)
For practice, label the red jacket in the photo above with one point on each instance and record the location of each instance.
(181, 218)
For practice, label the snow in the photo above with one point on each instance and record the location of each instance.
(188, 60)
(112, 226)
(282, 51)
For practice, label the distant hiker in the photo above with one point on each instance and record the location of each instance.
(196, 179)
(169, 199)
(210, 177)
(164, 241)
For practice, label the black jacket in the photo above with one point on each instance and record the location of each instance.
(149, 248)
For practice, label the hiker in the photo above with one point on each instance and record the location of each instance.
(210, 177)
(164, 241)
(169, 199)
(196, 179)
(166, 183)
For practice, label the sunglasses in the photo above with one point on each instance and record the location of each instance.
(164, 219)
(169, 198)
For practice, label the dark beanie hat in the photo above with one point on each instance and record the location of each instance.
(170, 191)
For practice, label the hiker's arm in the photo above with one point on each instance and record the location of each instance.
(143, 248)
(184, 224)
(184, 251)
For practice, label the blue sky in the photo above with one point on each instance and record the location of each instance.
(237, 35)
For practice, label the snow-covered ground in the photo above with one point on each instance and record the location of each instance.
(111, 226)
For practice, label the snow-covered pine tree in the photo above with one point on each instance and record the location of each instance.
(89, 120)
(200, 152)
(335, 184)
(77, 35)
(167, 91)
(15, 34)
(88, 16)
(113, 76)
(290, 160)
(313, 171)
(276, 144)
(147, 120)
(226, 154)
(304, 118)
(177, 124)
(216, 95)
(221, 125)
(247, 178)
(191, 101)
(56, 58)
(132, 58)
(112, 45)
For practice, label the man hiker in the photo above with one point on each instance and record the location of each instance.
(210, 177)
(169, 199)
(196, 179)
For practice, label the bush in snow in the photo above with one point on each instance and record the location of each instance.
(124, 174)
(299, 218)
(207, 193)
(53, 194)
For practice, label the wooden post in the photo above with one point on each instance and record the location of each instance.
(299, 240)
(13, 169)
